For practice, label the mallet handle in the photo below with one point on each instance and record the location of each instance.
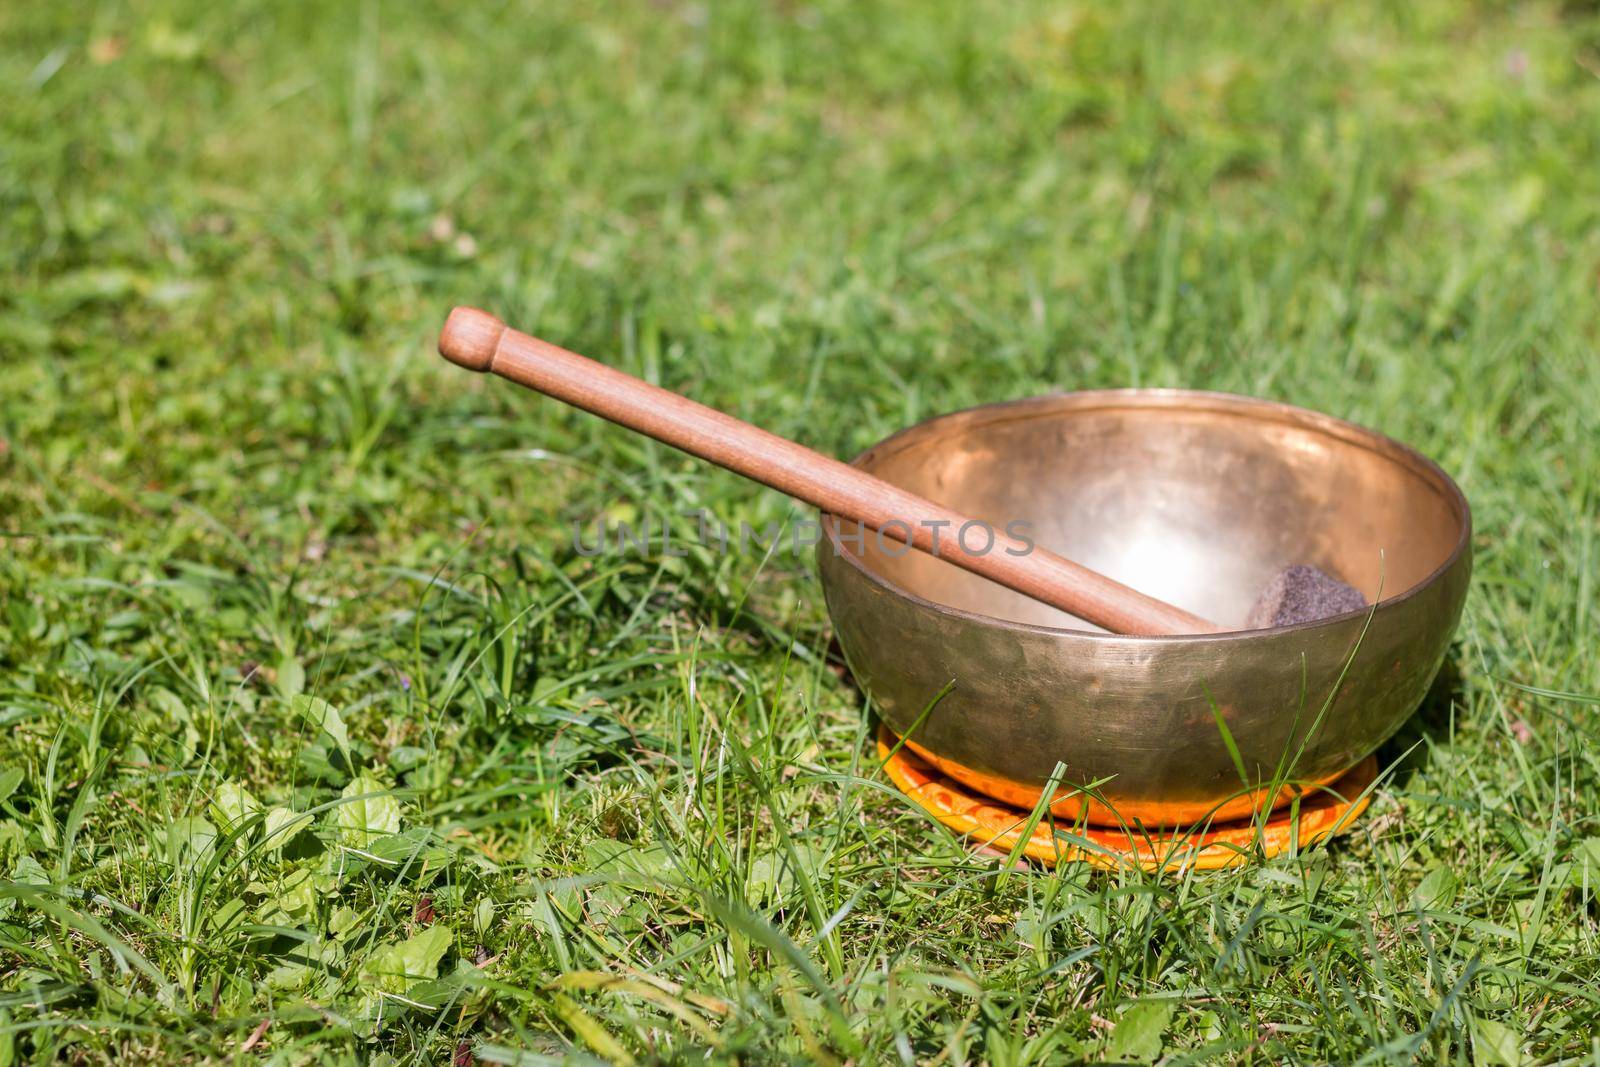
(478, 341)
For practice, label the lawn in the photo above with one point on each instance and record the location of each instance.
(322, 743)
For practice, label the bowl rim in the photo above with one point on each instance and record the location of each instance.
(1209, 400)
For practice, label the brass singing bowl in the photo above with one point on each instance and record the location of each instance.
(1196, 498)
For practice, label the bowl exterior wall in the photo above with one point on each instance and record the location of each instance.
(1140, 716)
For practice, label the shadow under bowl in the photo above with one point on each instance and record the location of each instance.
(1199, 499)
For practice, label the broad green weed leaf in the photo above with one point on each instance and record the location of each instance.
(1437, 889)
(291, 900)
(282, 824)
(365, 815)
(188, 840)
(403, 758)
(1585, 867)
(637, 867)
(232, 804)
(306, 967)
(291, 677)
(227, 915)
(168, 704)
(395, 968)
(417, 846)
(343, 921)
(1138, 1034)
(28, 871)
(325, 717)
(1496, 1043)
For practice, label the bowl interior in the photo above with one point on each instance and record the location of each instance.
(1196, 498)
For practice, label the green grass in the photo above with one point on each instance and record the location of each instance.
(637, 810)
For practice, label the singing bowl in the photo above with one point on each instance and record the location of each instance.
(1197, 498)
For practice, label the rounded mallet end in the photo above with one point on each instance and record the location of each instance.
(470, 338)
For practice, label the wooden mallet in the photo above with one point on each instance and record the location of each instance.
(478, 341)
